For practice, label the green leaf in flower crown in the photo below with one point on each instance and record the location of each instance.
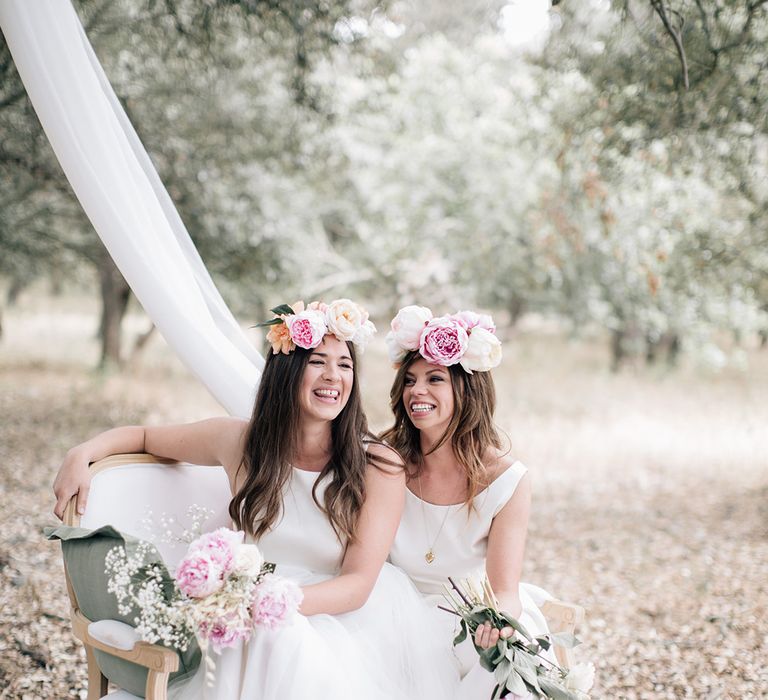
(462, 635)
(515, 683)
(515, 625)
(565, 639)
(272, 322)
(555, 690)
(282, 310)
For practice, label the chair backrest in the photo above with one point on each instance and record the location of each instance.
(138, 494)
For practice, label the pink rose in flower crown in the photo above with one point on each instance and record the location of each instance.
(220, 545)
(408, 326)
(198, 575)
(275, 601)
(469, 319)
(443, 341)
(307, 328)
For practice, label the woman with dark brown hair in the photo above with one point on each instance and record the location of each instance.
(322, 498)
(467, 498)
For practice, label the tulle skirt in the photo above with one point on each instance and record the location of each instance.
(386, 650)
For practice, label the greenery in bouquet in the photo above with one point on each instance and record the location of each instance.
(520, 663)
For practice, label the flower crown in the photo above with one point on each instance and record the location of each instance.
(466, 338)
(296, 325)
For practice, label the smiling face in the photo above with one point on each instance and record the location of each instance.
(327, 381)
(428, 395)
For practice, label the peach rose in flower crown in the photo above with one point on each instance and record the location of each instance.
(306, 328)
(483, 351)
(443, 341)
(408, 326)
(344, 318)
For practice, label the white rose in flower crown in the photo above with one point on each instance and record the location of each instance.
(408, 326)
(363, 336)
(344, 318)
(580, 679)
(307, 328)
(483, 351)
(394, 350)
(248, 560)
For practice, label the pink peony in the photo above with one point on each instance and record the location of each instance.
(469, 319)
(307, 328)
(275, 601)
(220, 545)
(199, 575)
(408, 325)
(443, 341)
(224, 632)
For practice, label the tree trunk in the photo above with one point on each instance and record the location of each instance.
(115, 293)
(618, 351)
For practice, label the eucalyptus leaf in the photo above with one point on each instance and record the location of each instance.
(515, 625)
(544, 643)
(555, 690)
(462, 635)
(565, 639)
(501, 671)
(515, 683)
(528, 674)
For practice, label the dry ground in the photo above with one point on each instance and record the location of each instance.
(651, 499)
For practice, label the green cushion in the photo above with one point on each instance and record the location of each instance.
(84, 552)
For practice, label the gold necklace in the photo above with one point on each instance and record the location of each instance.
(430, 555)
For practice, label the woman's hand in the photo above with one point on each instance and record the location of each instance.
(486, 635)
(74, 478)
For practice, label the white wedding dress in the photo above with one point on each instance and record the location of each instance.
(378, 652)
(459, 552)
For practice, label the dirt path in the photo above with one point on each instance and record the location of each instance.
(651, 510)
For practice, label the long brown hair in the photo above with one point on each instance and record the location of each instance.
(471, 429)
(271, 444)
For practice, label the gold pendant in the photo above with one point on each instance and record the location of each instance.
(429, 556)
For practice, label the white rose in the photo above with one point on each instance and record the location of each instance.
(344, 318)
(408, 325)
(363, 336)
(580, 678)
(483, 351)
(394, 350)
(248, 560)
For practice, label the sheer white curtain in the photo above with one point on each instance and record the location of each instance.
(121, 193)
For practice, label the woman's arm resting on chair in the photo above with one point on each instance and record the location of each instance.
(213, 441)
(376, 527)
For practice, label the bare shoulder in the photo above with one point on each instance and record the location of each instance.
(497, 463)
(385, 460)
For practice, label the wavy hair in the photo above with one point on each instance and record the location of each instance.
(271, 444)
(471, 430)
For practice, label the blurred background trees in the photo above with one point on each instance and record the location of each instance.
(611, 174)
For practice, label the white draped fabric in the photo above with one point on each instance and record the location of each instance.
(121, 193)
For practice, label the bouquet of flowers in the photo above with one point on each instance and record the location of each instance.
(221, 590)
(519, 666)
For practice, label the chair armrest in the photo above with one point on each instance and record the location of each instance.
(114, 633)
(562, 617)
(151, 656)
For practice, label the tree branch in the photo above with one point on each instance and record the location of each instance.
(675, 33)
